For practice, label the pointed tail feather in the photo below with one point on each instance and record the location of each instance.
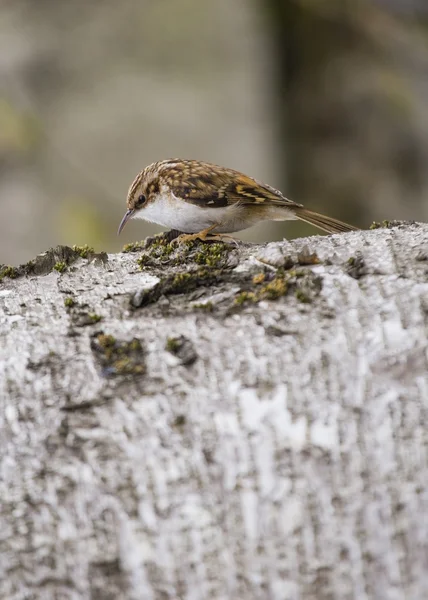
(327, 224)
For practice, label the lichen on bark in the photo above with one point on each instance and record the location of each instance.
(254, 430)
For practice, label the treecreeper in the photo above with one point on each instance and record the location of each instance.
(205, 201)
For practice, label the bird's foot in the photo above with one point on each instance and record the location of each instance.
(204, 236)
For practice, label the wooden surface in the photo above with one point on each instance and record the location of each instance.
(277, 451)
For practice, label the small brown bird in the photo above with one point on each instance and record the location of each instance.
(204, 201)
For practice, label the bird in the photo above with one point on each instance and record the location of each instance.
(207, 202)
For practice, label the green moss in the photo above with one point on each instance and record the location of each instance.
(172, 345)
(55, 258)
(264, 285)
(143, 261)
(274, 289)
(134, 246)
(244, 297)
(181, 281)
(159, 251)
(305, 257)
(94, 318)
(69, 302)
(302, 297)
(83, 251)
(259, 278)
(303, 282)
(125, 366)
(162, 251)
(165, 249)
(356, 266)
(118, 358)
(205, 306)
(60, 266)
(161, 248)
(10, 272)
(211, 255)
(135, 345)
(384, 225)
(29, 267)
(106, 341)
(182, 348)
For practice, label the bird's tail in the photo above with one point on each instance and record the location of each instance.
(323, 222)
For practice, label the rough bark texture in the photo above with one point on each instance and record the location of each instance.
(249, 428)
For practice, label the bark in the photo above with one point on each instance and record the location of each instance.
(241, 423)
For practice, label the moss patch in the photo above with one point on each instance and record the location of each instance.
(356, 266)
(94, 318)
(269, 285)
(161, 252)
(84, 251)
(54, 258)
(161, 239)
(377, 225)
(302, 297)
(212, 255)
(204, 306)
(267, 288)
(60, 266)
(180, 281)
(245, 297)
(8, 271)
(391, 224)
(82, 318)
(118, 357)
(172, 345)
(134, 246)
(69, 302)
(57, 259)
(165, 237)
(174, 284)
(305, 284)
(306, 257)
(217, 269)
(182, 348)
(259, 278)
(274, 289)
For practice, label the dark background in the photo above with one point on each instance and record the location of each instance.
(325, 100)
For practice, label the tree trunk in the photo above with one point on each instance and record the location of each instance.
(351, 93)
(242, 423)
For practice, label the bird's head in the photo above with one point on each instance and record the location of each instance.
(143, 190)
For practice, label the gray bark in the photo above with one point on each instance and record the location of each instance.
(205, 440)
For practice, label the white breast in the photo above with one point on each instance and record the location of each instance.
(177, 214)
(173, 213)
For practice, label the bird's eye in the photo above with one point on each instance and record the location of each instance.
(140, 201)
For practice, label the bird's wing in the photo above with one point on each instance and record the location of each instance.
(212, 186)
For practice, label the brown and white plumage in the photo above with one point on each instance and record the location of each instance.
(198, 197)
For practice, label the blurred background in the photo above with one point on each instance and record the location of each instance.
(327, 101)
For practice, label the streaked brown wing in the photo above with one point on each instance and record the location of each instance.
(249, 191)
(205, 184)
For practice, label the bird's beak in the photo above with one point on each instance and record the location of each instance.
(129, 213)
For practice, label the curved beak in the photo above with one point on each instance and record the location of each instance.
(126, 217)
